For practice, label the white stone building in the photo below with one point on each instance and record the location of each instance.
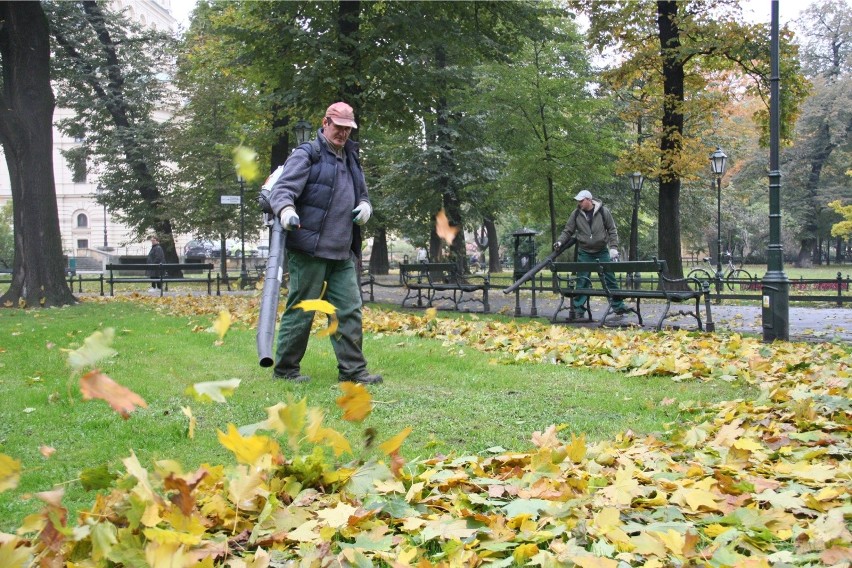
(87, 229)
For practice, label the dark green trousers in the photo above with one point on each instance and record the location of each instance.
(584, 279)
(307, 275)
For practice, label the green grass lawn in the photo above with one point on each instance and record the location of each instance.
(457, 401)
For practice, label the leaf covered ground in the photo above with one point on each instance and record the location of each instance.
(764, 482)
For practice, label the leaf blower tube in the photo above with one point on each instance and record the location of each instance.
(274, 275)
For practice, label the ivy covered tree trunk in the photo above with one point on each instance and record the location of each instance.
(26, 132)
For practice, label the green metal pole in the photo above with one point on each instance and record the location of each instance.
(776, 286)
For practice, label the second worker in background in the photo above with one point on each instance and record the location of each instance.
(321, 199)
(597, 241)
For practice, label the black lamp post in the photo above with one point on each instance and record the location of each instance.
(718, 162)
(636, 181)
(303, 131)
(100, 191)
(776, 286)
(243, 272)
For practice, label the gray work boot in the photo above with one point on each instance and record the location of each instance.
(293, 377)
(364, 378)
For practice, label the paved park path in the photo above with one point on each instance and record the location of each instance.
(805, 323)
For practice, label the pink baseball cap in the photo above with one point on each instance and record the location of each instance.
(341, 114)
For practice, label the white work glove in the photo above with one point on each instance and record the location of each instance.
(362, 213)
(289, 219)
(557, 245)
(613, 254)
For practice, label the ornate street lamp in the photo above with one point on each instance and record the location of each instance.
(636, 181)
(776, 285)
(718, 162)
(303, 130)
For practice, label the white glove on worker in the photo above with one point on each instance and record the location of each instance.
(289, 219)
(613, 254)
(362, 213)
(557, 245)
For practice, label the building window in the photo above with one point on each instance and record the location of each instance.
(82, 243)
(82, 221)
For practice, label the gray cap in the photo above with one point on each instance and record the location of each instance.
(585, 194)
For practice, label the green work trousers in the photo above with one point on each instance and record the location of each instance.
(307, 275)
(584, 280)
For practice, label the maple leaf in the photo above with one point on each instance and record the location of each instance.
(222, 324)
(216, 391)
(95, 384)
(187, 411)
(318, 434)
(250, 449)
(288, 418)
(443, 228)
(392, 445)
(324, 307)
(316, 306)
(10, 472)
(245, 162)
(15, 556)
(356, 401)
(338, 516)
(95, 347)
(547, 439)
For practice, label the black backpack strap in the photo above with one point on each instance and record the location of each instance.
(313, 149)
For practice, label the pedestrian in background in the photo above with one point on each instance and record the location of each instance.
(322, 201)
(155, 256)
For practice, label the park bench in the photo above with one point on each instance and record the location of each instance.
(670, 290)
(118, 274)
(439, 281)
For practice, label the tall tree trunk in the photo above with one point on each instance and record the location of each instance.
(808, 251)
(446, 166)
(668, 236)
(493, 246)
(379, 255)
(26, 132)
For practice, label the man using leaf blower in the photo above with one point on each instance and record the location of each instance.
(591, 223)
(321, 199)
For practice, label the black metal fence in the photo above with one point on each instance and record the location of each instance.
(826, 290)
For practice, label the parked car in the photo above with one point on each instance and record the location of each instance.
(198, 249)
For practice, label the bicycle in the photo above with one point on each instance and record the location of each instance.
(734, 277)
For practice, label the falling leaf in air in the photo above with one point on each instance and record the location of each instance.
(95, 384)
(356, 402)
(391, 446)
(10, 472)
(443, 228)
(245, 161)
(324, 307)
(95, 347)
(216, 391)
(247, 449)
(222, 324)
(316, 306)
(187, 411)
